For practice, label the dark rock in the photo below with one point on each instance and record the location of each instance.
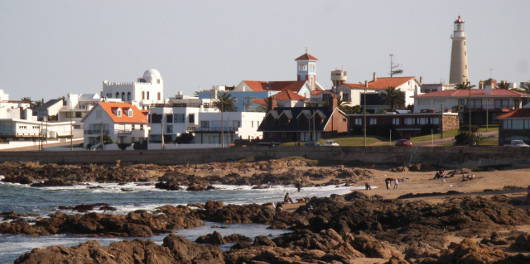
(213, 239)
(175, 249)
(263, 241)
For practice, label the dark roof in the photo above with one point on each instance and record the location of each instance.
(291, 119)
(51, 102)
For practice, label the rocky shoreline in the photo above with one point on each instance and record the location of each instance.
(336, 229)
(198, 177)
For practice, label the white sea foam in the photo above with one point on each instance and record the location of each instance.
(2, 177)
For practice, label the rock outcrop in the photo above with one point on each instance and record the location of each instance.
(175, 249)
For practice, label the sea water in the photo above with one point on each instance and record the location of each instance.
(136, 196)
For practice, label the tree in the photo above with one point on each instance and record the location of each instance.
(464, 86)
(503, 85)
(225, 103)
(350, 109)
(394, 98)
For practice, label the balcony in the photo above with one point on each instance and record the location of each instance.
(96, 131)
(216, 129)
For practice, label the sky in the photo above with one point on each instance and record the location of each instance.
(54, 47)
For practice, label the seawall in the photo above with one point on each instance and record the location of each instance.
(447, 157)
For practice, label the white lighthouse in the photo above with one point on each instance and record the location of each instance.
(459, 72)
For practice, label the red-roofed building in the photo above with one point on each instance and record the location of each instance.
(514, 125)
(120, 122)
(352, 93)
(481, 103)
(288, 98)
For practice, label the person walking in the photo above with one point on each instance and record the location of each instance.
(367, 186)
(396, 183)
(387, 183)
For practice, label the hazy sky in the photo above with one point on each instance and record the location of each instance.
(52, 47)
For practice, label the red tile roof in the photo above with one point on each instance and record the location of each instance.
(260, 101)
(287, 95)
(382, 83)
(138, 116)
(519, 113)
(474, 93)
(259, 86)
(307, 56)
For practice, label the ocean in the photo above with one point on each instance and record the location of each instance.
(135, 196)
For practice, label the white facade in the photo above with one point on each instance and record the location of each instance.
(173, 121)
(98, 123)
(232, 125)
(3, 95)
(25, 129)
(352, 94)
(147, 90)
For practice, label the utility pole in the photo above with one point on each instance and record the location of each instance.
(222, 125)
(162, 145)
(71, 134)
(364, 115)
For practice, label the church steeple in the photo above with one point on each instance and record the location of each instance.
(307, 69)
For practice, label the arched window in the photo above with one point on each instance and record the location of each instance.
(123, 96)
(117, 95)
(128, 96)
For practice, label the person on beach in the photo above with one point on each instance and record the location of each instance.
(396, 183)
(287, 199)
(298, 185)
(387, 183)
(367, 186)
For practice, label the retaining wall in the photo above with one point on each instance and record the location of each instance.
(447, 157)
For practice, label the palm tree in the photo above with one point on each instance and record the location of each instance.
(394, 98)
(225, 103)
(464, 86)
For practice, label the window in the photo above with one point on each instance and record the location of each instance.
(147, 95)
(118, 112)
(178, 118)
(143, 95)
(156, 118)
(373, 121)
(128, 96)
(169, 118)
(109, 95)
(205, 124)
(410, 121)
(435, 120)
(123, 96)
(191, 118)
(395, 121)
(158, 96)
(169, 129)
(358, 121)
(517, 124)
(423, 121)
(236, 123)
(130, 112)
(158, 81)
(78, 114)
(117, 95)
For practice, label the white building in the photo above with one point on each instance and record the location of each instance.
(120, 122)
(352, 93)
(172, 121)
(147, 90)
(231, 125)
(436, 87)
(20, 129)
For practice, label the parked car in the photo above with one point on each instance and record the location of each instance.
(403, 143)
(518, 143)
(330, 143)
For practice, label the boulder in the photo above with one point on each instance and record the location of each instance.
(213, 239)
(469, 252)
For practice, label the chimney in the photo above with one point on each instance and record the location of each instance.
(421, 80)
(373, 77)
(365, 83)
